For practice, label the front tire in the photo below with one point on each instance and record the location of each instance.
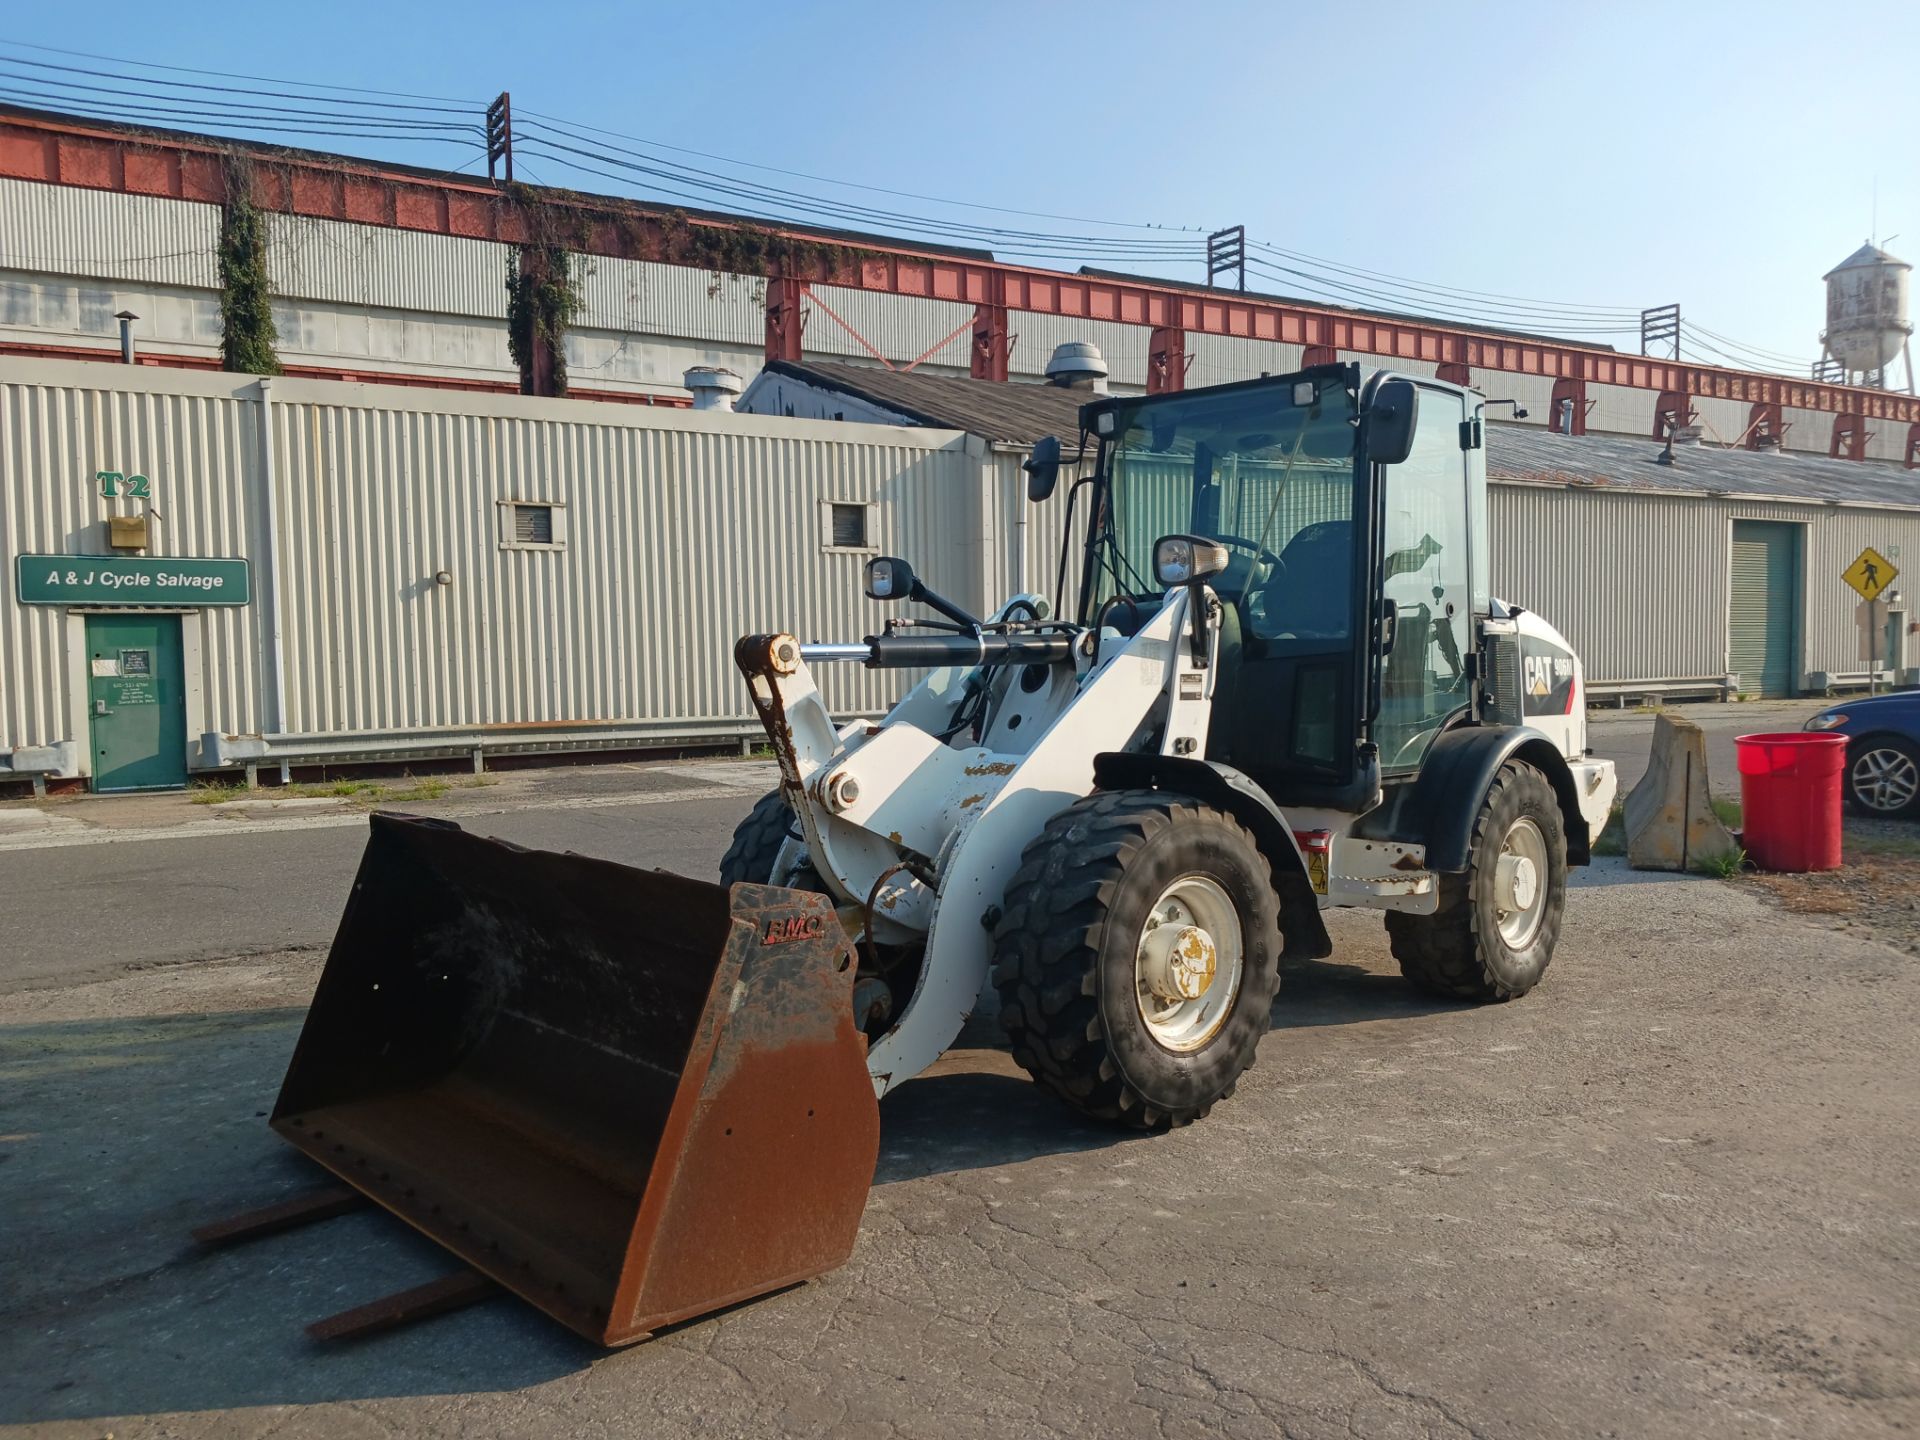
(1883, 777)
(1137, 958)
(1494, 931)
(758, 840)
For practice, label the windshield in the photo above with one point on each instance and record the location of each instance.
(1266, 470)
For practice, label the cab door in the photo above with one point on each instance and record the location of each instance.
(1427, 572)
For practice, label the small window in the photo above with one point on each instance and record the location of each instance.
(849, 527)
(533, 524)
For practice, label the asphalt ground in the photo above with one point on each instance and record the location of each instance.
(1673, 1192)
(147, 881)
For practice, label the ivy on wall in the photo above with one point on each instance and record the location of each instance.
(542, 301)
(247, 333)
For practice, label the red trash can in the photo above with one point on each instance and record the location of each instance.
(1790, 799)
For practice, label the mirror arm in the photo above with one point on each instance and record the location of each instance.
(1197, 603)
(946, 607)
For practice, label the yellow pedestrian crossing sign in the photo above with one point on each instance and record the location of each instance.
(1871, 573)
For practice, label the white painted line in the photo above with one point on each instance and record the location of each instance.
(213, 829)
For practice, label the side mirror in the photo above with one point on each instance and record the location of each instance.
(1043, 469)
(1187, 560)
(889, 578)
(1390, 421)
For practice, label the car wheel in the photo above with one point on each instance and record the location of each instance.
(1883, 776)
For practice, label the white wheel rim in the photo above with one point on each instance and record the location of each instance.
(1188, 962)
(1520, 880)
(1885, 779)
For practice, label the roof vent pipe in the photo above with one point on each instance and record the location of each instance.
(1078, 365)
(1566, 417)
(713, 388)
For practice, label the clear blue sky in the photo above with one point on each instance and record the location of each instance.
(1722, 155)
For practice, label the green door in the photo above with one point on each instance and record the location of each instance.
(137, 699)
(1764, 606)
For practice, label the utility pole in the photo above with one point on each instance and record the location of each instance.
(500, 135)
(1227, 254)
(1658, 326)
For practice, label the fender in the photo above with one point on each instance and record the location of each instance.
(1228, 789)
(1438, 808)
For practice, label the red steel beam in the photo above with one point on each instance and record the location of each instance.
(1568, 389)
(1849, 440)
(96, 155)
(1166, 360)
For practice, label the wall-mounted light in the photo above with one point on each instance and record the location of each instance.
(443, 577)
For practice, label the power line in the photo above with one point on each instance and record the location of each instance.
(257, 79)
(1801, 361)
(705, 197)
(152, 115)
(1345, 294)
(1401, 281)
(857, 185)
(242, 109)
(1431, 294)
(1170, 248)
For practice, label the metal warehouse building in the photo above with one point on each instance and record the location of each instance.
(204, 572)
(381, 272)
(316, 570)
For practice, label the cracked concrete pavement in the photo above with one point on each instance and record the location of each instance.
(1672, 1193)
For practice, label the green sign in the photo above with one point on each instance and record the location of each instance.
(130, 580)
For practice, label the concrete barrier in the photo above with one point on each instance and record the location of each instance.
(1670, 822)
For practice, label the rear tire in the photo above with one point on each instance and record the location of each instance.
(1883, 777)
(1096, 1012)
(1479, 944)
(757, 842)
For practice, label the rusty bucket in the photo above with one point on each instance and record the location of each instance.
(630, 1097)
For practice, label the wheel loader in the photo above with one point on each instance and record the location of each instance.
(1271, 678)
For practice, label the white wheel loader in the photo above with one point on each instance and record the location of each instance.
(1272, 679)
(1284, 686)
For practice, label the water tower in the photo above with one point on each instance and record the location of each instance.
(1867, 323)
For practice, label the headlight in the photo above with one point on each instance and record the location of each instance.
(1827, 721)
(1182, 559)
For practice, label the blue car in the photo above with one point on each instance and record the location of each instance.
(1883, 751)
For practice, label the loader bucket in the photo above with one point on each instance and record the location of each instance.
(630, 1097)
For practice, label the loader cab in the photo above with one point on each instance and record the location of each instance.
(1353, 515)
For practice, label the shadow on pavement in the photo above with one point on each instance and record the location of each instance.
(973, 1118)
(1327, 992)
(119, 1135)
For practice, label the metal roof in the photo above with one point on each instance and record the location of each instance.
(1006, 412)
(1529, 453)
(1866, 256)
(1019, 414)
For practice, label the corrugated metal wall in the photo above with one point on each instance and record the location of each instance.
(1036, 337)
(639, 326)
(1639, 582)
(66, 230)
(199, 450)
(681, 531)
(1534, 392)
(1218, 359)
(1620, 409)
